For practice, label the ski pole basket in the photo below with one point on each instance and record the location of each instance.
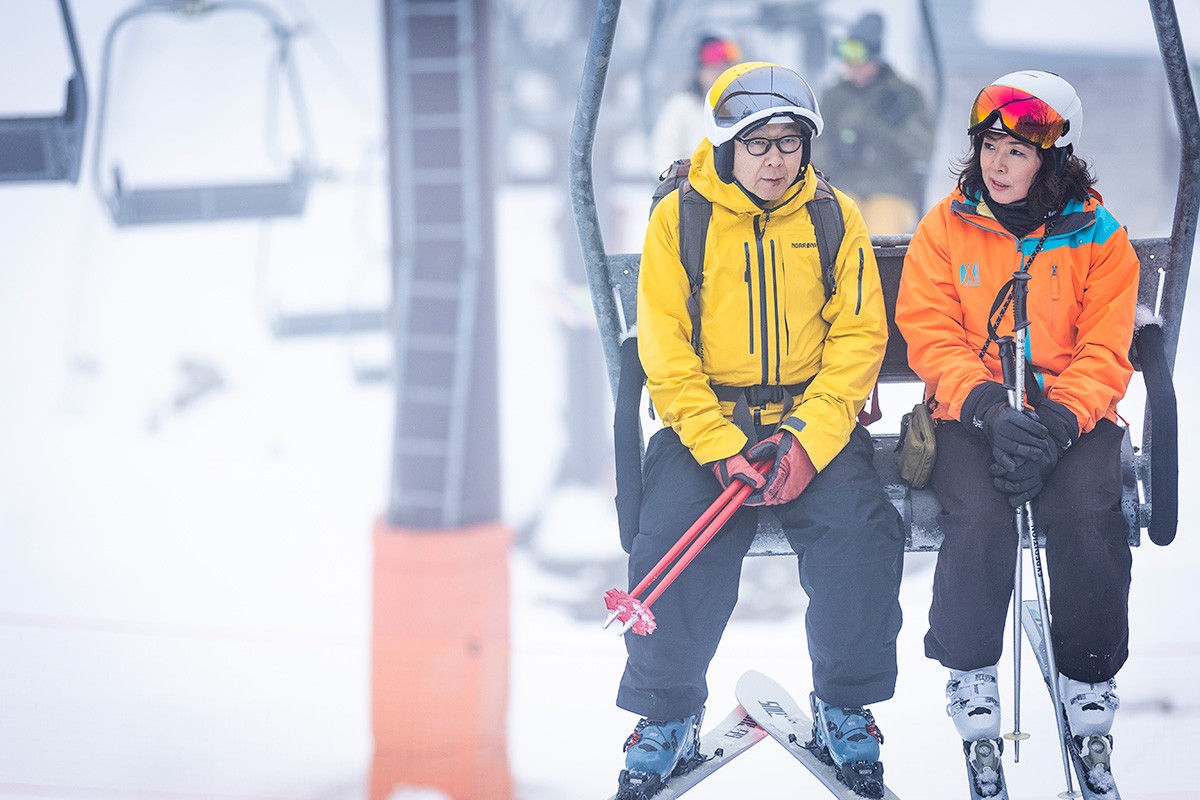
(1149, 471)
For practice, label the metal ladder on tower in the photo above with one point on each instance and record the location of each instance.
(437, 217)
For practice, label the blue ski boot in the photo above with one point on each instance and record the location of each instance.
(848, 739)
(655, 751)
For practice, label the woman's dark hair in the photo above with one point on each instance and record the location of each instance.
(1052, 186)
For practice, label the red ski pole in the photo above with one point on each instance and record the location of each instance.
(636, 614)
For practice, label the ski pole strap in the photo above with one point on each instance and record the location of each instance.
(1008, 364)
(745, 397)
(1005, 296)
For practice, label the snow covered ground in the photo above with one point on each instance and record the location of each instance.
(186, 506)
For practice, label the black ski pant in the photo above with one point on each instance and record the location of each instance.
(851, 545)
(1087, 557)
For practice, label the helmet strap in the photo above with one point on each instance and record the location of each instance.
(1061, 156)
(723, 158)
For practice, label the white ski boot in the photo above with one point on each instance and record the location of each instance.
(1090, 706)
(974, 703)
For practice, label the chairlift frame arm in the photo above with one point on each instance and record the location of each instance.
(76, 98)
(582, 188)
(1187, 198)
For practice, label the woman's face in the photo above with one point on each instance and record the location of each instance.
(1008, 166)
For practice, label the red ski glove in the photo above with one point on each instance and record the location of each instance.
(792, 471)
(737, 468)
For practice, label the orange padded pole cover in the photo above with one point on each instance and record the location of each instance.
(440, 661)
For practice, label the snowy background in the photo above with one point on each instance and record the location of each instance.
(186, 499)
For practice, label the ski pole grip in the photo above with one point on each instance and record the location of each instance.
(1020, 292)
(1008, 361)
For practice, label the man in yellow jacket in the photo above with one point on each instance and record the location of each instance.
(799, 366)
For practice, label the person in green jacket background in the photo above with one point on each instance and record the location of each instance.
(879, 134)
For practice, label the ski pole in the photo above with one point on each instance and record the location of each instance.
(636, 614)
(1023, 517)
(1008, 364)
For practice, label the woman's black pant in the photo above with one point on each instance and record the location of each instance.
(1087, 556)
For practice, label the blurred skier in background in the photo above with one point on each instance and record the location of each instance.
(680, 122)
(880, 133)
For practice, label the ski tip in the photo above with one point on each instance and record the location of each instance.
(753, 683)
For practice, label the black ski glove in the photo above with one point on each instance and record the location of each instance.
(1015, 437)
(1060, 422)
(1025, 481)
(982, 399)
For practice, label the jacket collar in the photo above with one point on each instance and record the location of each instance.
(1075, 216)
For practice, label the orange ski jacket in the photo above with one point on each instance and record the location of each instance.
(1081, 304)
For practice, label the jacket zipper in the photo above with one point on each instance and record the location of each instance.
(775, 302)
(1053, 293)
(749, 297)
(861, 265)
(762, 293)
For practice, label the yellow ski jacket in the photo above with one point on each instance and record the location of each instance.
(764, 319)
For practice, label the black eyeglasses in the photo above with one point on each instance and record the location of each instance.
(760, 145)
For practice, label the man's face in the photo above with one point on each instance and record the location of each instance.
(768, 175)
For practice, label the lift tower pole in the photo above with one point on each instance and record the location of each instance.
(440, 653)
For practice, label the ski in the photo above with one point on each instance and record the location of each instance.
(985, 772)
(780, 716)
(1091, 758)
(735, 734)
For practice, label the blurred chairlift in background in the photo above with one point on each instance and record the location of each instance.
(221, 201)
(48, 148)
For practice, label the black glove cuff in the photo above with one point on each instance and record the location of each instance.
(1059, 420)
(982, 399)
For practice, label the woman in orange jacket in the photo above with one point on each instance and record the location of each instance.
(1025, 201)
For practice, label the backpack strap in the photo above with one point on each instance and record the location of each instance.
(830, 227)
(695, 212)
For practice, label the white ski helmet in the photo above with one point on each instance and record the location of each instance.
(750, 95)
(1035, 106)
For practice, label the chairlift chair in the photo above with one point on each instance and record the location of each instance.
(1165, 263)
(49, 148)
(213, 202)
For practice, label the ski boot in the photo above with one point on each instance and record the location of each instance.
(848, 740)
(1090, 709)
(655, 751)
(974, 703)
(974, 707)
